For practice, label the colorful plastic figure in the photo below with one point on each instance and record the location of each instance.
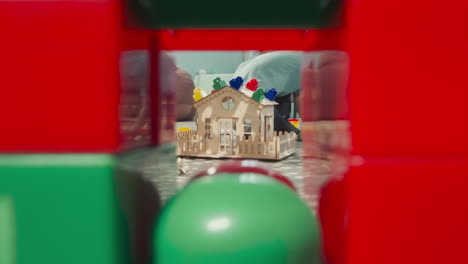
(258, 95)
(198, 94)
(271, 94)
(236, 83)
(252, 85)
(218, 84)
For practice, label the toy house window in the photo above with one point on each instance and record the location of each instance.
(208, 128)
(247, 128)
(228, 103)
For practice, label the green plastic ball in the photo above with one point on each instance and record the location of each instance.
(237, 219)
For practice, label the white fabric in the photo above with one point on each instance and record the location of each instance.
(205, 81)
(279, 70)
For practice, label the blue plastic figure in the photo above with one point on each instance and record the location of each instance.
(271, 94)
(236, 83)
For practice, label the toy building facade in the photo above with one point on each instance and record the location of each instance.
(233, 125)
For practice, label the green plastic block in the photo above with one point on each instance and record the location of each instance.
(238, 14)
(7, 231)
(65, 208)
(82, 208)
(218, 84)
(258, 95)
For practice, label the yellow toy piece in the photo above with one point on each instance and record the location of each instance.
(294, 122)
(183, 129)
(198, 94)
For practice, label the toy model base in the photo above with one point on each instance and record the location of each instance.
(278, 148)
(257, 157)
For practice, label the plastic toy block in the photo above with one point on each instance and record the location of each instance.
(324, 85)
(198, 94)
(326, 139)
(65, 208)
(236, 83)
(61, 77)
(241, 14)
(413, 208)
(294, 121)
(237, 218)
(258, 95)
(333, 210)
(252, 85)
(183, 129)
(405, 100)
(271, 94)
(258, 39)
(81, 208)
(7, 231)
(218, 84)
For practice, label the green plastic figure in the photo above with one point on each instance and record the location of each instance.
(218, 83)
(258, 95)
(237, 218)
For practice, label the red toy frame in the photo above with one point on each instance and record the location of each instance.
(408, 90)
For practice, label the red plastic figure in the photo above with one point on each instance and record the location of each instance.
(252, 85)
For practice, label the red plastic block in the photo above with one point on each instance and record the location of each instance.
(333, 210)
(252, 39)
(408, 87)
(408, 211)
(60, 75)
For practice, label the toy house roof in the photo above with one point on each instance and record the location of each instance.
(243, 92)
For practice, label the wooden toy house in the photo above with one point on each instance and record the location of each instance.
(230, 123)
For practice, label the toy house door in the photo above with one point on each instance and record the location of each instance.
(268, 128)
(227, 135)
